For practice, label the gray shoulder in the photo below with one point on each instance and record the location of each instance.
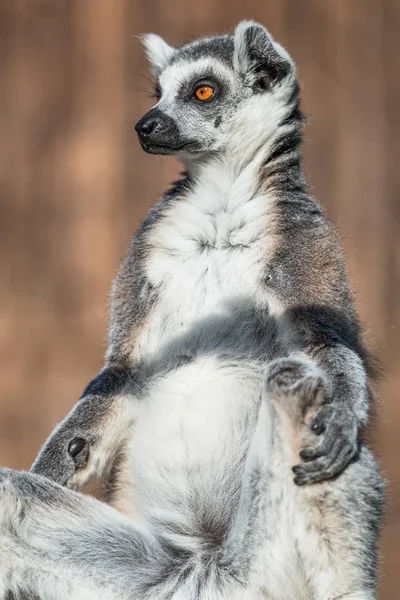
(132, 294)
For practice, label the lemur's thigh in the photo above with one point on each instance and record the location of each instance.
(59, 544)
(56, 543)
(338, 532)
(335, 523)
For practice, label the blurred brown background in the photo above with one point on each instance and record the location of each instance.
(74, 185)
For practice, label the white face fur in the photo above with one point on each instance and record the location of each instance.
(217, 94)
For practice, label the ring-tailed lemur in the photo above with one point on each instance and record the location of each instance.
(233, 284)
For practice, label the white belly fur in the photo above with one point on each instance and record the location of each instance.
(207, 256)
(192, 420)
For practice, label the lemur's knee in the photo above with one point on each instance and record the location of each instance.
(297, 388)
(79, 448)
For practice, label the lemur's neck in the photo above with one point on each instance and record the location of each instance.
(272, 159)
(281, 170)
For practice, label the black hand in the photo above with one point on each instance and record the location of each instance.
(337, 428)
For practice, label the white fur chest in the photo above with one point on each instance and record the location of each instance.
(208, 252)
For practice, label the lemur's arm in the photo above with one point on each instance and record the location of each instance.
(307, 274)
(334, 346)
(84, 445)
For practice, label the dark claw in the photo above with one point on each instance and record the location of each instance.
(322, 419)
(307, 454)
(318, 428)
(76, 446)
(300, 480)
(325, 467)
(324, 448)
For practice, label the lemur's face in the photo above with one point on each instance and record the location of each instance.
(212, 92)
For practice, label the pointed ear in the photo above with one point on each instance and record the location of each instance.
(258, 57)
(157, 51)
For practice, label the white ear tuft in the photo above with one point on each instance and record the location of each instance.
(241, 43)
(256, 50)
(157, 51)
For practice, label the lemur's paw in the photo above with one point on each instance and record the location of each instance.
(328, 430)
(336, 444)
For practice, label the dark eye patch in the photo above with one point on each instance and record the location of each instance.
(207, 78)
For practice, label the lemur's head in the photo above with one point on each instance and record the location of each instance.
(216, 93)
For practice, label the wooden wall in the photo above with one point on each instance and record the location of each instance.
(74, 184)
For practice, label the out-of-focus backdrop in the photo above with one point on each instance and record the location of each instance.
(74, 185)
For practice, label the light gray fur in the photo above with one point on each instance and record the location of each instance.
(227, 419)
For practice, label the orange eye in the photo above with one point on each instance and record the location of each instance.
(204, 92)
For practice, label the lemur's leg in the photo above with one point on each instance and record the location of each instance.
(57, 543)
(86, 442)
(335, 523)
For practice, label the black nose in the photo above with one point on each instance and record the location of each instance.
(146, 126)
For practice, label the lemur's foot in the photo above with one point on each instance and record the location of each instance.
(330, 428)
